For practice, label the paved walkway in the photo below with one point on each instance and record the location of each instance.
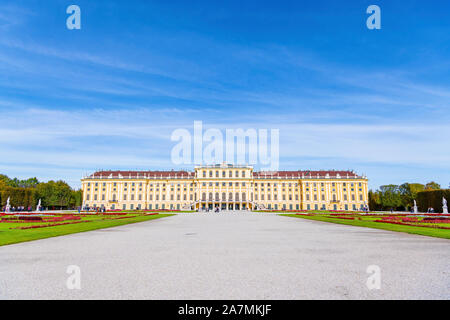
(228, 256)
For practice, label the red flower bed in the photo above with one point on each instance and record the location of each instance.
(49, 225)
(29, 219)
(412, 225)
(119, 218)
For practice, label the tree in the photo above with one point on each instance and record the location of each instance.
(54, 194)
(408, 192)
(374, 200)
(390, 196)
(432, 186)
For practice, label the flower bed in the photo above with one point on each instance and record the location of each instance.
(49, 225)
(119, 218)
(30, 219)
(412, 224)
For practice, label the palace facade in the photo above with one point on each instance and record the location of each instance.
(225, 186)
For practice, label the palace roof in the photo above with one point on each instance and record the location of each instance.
(182, 174)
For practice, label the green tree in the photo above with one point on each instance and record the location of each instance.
(375, 200)
(432, 186)
(390, 196)
(408, 192)
(54, 194)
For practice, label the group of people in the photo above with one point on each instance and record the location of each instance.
(18, 209)
(216, 209)
(89, 209)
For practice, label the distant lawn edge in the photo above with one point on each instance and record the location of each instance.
(430, 232)
(19, 236)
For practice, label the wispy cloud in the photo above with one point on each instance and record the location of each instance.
(72, 102)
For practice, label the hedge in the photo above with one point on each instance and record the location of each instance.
(432, 199)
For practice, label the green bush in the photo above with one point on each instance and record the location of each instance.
(432, 199)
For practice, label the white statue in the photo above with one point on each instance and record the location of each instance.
(415, 207)
(8, 206)
(444, 206)
(38, 207)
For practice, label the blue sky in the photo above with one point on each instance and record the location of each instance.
(110, 95)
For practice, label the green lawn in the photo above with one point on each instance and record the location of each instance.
(369, 223)
(10, 236)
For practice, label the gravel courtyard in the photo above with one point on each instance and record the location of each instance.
(228, 256)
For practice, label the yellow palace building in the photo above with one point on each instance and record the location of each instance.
(227, 187)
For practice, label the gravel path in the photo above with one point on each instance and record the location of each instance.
(228, 256)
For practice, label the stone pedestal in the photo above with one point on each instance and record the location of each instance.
(416, 210)
(445, 210)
